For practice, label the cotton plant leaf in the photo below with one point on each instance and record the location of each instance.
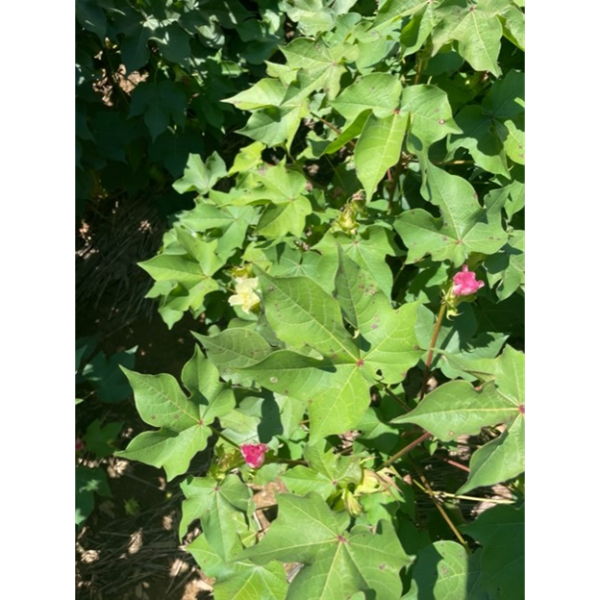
(323, 365)
(335, 561)
(378, 92)
(184, 421)
(507, 267)
(378, 149)
(441, 571)
(200, 176)
(222, 507)
(463, 227)
(430, 116)
(501, 532)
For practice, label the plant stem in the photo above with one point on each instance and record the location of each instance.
(454, 463)
(223, 436)
(475, 499)
(397, 398)
(444, 514)
(454, 162)
(429, 359)
(406, 449)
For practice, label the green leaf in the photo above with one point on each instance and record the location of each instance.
(104, 373)
(441, 572)
(379, 92)
(84, 348)
(91, 17)
(391, 12)
(368, 249)
(264, 93)
(222, 507)
(200, 177)
(239, 348)
(302, 314)
(326, 471)
(456, 408)
(184, 421)
(337, 563)
(501, 531)
(513, 26)
(282, 219)
(88, 482)
(508, 266)
(349, 133)
(274, 126)
(247, 158)
(319, 68)
(417, 30)
(477, 30)
(464, 226)
(160, 103)
(205, 253)
(100, 439)
(337, 395)
(480, 137)
(502, 458)
(174, 43)
(134, 48)
(254, 581)
(505, 100)
(513, 135)
(392, 346)
(431, 116)
(358, 294)
(498, 460)
(378, 149)
(177, 267)
(239, 580)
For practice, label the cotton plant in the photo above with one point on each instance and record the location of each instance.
(358, 290)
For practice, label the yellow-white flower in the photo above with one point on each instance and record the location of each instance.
(245, 295)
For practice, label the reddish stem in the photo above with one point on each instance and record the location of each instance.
(407, 448)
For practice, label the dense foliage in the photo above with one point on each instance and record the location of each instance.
(356, 272)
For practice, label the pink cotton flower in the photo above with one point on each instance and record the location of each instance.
(465, 283)
(254, 454)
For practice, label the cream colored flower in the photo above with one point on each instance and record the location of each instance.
(245, 295)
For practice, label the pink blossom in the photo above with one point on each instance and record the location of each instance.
(254, 454)
(79, 445)
(465, 283)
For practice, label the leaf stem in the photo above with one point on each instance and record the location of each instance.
(454, 463)
(336, 129)
(397, 398)
(429, 359)
(330, 125)
(223, 436)
(406, 449)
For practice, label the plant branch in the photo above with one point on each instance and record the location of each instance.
(336, 129)
(429, 359)
(396, 398)
(223, 436)
(454, 463)
(406, 449)
(436, 500)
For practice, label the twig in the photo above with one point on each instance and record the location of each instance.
(440, 508)
(397, 398)
(454, 463)
(429, 359)
(337, 130)
(407, 448)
